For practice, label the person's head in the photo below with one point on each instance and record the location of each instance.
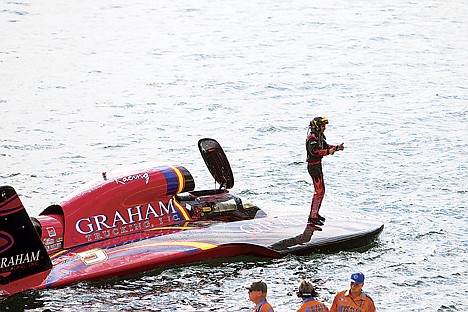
(356, 282)
(306, 289)
(319, 123)
(257, 291)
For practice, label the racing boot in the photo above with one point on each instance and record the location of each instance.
(315, 220)
(313, 226)
(321, 218)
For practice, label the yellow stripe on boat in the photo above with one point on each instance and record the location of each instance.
(180, 177)
(181, 208)
(199, 245)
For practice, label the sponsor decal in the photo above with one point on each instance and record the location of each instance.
(349, 309)
(51, 231)
(48, 241)
(6, 241)
(142, 176)
(53, 244)
(132, 219)
(19, 261)
(92, 256)
(53, 247)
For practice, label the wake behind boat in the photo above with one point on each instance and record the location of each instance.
(123, 223)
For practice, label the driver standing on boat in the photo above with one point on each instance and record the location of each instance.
(317, 147)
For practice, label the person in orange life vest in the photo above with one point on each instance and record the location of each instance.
(258, 294)
(317, 147)
(353, 299)
(308, 294)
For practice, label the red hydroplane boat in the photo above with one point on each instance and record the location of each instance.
(121, 224)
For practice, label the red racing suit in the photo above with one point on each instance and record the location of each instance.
(316, 147)
(344, 303)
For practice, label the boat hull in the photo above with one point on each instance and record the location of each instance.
(264, 237)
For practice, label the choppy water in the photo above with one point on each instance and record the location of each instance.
(89, 86)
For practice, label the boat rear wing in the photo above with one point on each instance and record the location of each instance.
(22, 253)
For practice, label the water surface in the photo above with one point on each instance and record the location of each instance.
(87, 86)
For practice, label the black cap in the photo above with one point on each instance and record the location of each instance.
(259, 285)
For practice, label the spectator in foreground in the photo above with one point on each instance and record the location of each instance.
(258, 294)
(353, 299)
(307, 292)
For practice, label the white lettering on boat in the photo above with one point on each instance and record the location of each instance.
(132, 219)
(129, 178)
(19, 260)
